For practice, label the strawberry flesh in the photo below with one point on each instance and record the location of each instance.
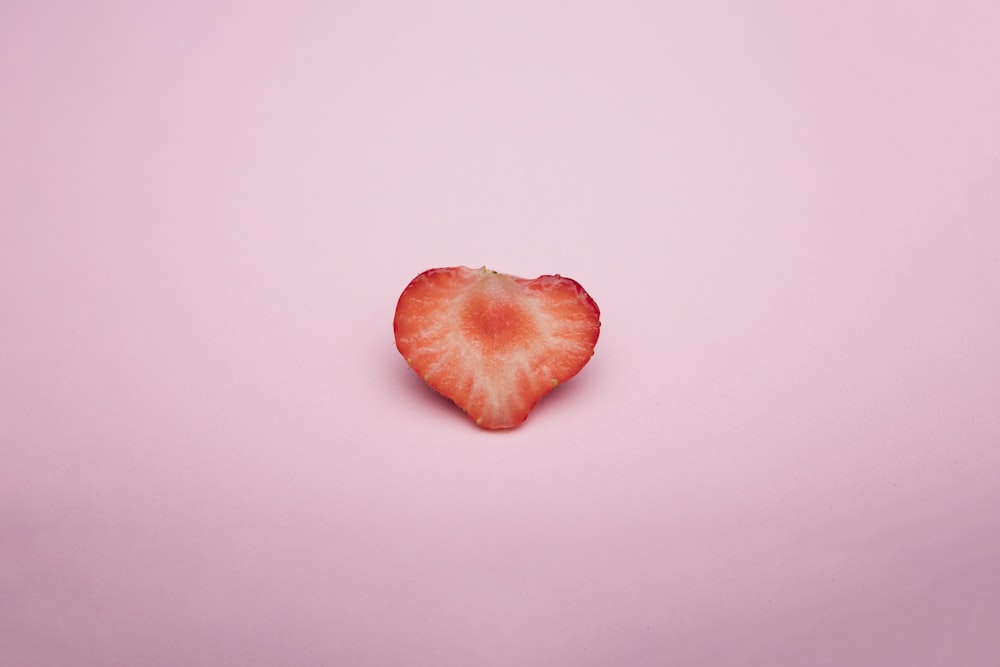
(494, 343)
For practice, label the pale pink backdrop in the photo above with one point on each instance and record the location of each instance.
(786, 450)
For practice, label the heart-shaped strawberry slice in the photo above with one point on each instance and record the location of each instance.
(494, 343)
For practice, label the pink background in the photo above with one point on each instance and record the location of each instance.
(786, 450)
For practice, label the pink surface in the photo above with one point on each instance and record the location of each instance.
(786, 450)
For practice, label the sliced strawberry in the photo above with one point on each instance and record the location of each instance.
(493, 343)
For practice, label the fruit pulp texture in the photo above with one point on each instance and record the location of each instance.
(495, 343)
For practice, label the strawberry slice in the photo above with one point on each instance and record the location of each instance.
(494, 343)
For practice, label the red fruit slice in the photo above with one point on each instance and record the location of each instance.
(493, 343)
